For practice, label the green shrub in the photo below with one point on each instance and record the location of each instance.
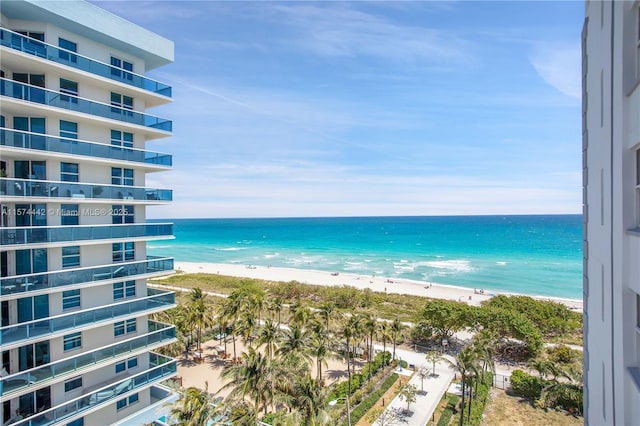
(480, 400)
(358, 379)
(523, 384)
(361, 409)
(449, 410)
(563, 354)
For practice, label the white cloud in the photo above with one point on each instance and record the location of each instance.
(559, 66)
(344, 31)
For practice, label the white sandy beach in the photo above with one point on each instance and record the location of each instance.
(375, 283)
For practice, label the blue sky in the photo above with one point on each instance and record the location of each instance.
(358, 108)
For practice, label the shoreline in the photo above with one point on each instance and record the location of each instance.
(374, 283)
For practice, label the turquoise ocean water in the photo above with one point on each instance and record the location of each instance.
(536, 255)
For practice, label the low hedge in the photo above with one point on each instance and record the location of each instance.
(449, 410)
(366, 404)
(358, 379)
(480, 399)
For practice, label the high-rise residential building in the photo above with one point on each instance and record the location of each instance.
(611, 154)
(76, 341)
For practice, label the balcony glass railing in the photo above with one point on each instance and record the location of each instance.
(159, 334)
(62, 56)
(28, 140)
(50, 280)
(157, 300)
(160, 368)
(70, 233)
(10, 187)
(48, 97)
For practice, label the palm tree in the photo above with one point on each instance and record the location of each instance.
(193, 408)
(348, 332)
(484, 344)
(230, 311)
(198, 314)
(275, 306)
(295, 343)
(251, 377)
(319, 349)
(246, 325)
(326, 312)
(370, 327)
(300, 314)
(269, 335)
(385, 335)
(396, 332)
(464, 364)
(309, 400)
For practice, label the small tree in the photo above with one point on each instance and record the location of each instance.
(433, 357)
(423, 373)
(408, 393)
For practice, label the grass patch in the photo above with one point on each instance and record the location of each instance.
(503, 409)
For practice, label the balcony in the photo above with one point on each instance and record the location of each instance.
(79, 192)
(160, 368)
(10, 238)
(162, 399)
(159, 334)
(43, 328)
(20, 284)
(47, 51)
(20, 139)
(27, 92)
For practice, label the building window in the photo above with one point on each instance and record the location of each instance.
(68, 129)
(69, 172)
(121, 101)
(121, 176)
(122, 403)
(77, 422)
(72, 341)
(124, 139)
(123, 251)
(121, 328)
(72, 384)
(124, 290)
(31, 214)
(32, 79)
(69, 87)
(132, 399)
(70, 299)
(31, 261)
(70, 256)
(122, 214)
(120, 67)
(70, 46)
(126, 365)
(30, 124)
(32, 34)
(69, 214)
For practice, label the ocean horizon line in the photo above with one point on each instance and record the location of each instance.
(370, 216)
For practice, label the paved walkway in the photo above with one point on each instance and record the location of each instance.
(420, 412)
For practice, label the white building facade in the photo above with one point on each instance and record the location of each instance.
(611, 178)
(76, 341)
